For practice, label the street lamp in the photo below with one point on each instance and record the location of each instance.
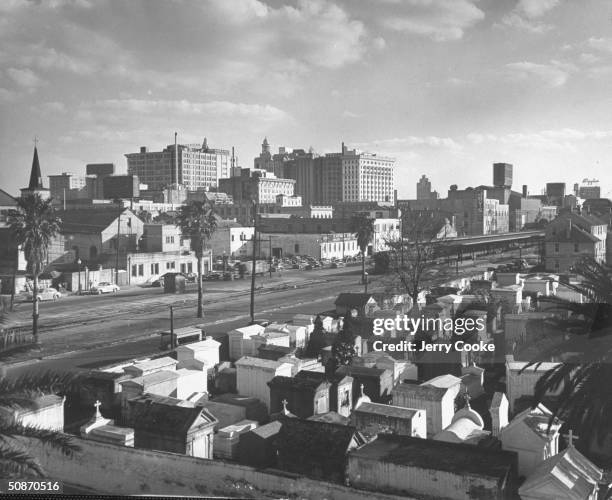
(79, 265)
(365, 281)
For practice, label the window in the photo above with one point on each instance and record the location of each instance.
(296, 248)
(556, 247)
(140, 269)
(576, 247)
(155, 268)
(134, 270)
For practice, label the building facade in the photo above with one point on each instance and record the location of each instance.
(198, 166)
(367, 176)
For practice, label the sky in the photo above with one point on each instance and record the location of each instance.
(447, 87)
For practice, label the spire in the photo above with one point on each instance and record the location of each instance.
(205, 144)
(265, 146)
(35, 175)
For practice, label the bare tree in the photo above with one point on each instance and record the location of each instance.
(411, 258)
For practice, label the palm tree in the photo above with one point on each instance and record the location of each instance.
(364, 231)
(198, 222)
(33, 226)
(583, 376)
(16, 393)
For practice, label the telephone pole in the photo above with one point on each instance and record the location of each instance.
(254, 261)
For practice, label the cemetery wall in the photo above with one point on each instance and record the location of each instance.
(112, 469)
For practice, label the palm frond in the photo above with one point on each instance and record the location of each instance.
(15, 462)
(35, 384)
(55, 439)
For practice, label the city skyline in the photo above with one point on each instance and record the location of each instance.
(447, 88)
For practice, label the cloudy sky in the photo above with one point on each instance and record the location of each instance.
(446, 86)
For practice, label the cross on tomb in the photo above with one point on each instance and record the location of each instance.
(570, 438)
(466, 398)
(285, 403)
(97, 404)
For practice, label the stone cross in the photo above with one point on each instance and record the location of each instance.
(285, 403)
(467, 397)
(361, 390)
(570, 438)
(97, 404)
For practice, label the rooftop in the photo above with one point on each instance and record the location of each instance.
(386, 410)
(258, 362)
(438, 455)
(353, 299)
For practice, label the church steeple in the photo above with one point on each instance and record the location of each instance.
(36, 183)
(265, 146)
(35, 175)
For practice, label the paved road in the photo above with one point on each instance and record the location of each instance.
(115, 328)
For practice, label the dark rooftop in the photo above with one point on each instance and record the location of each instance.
(438, 455)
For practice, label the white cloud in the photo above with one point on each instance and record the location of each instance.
(225, 109)
(440, 20)
(554, 74)
(603, 44)
(547, 140)
(412, 141)
(535, 8)
(7, 95)
(525, 16)
(24, 78)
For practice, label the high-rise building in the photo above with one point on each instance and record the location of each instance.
(367, 176)
(589, 189)
(300, 166)
(328, 174)
(194, 166)
(258, 185)
(502, 175)
(424, 188)
(555, 193)
(264, 160)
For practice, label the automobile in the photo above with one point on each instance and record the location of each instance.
(337, 264)
(309, 267)
(261, 322)
(213, 276)
(48, 293)
(104, 287)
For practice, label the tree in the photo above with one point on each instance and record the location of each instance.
(583, 377)
(33, 225)
(364, 231)
(198, 222)
(411, 258)
(343, 348)
(316, 342)
(15, 393)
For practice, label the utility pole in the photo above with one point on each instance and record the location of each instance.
(117, 253)
(254, 261)
(172, 327)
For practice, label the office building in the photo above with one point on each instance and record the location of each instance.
(367, 176)
(194, 166)
(424, 189)
(502, 175)
(555, 193)
(589, 189)
(328, 173)
(259, 185)
(300, 166)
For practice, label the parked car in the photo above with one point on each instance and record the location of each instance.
(104, 287)
(337, 264)
(45, 294)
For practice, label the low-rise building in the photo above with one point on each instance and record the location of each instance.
(253, 375)
(372, 419)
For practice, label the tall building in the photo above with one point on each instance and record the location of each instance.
(68, 186)
(257, 185)
(555, 193)
(194, 166)
(300, 166)
(264, 161)
(589, 189)
(328, 174)
(502, 175)
(423, 188)
(367, 176)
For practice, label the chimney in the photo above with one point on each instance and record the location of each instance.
(524, 190)
(569, 228)
(499, 413)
